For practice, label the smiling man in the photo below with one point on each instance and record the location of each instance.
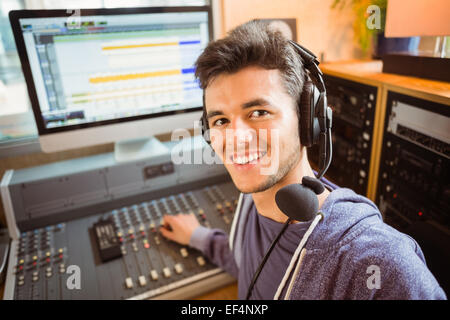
(253, 80)
(252, 110)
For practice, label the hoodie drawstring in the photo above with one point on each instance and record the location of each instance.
(302, 243)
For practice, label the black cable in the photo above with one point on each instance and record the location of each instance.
(263, 262)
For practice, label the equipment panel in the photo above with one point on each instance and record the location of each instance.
(413, 191)
(353, 105)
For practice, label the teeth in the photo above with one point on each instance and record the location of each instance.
(250, 158)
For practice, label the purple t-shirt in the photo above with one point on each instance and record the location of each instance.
(261, 232)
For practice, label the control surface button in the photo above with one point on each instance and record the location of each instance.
(184, 252)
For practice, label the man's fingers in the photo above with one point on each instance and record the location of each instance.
(168, 222)
(166, 233)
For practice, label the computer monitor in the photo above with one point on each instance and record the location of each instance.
(112, 75)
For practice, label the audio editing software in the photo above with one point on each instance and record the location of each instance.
(114, 66)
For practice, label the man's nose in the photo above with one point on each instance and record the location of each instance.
(242, 133)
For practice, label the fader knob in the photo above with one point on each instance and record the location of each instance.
(142, 281)
(201, 261)
(154, 274)
(184, 252)
(129, 283)
(178, 268)
(166, 272)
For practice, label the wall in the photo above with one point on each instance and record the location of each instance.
(319, 28)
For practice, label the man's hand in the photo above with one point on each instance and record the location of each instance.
(179, 228)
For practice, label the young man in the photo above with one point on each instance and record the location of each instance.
(253, 79)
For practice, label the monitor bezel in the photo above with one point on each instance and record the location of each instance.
(14, 17)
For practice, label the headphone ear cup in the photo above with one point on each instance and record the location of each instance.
(205, 128)
(306, 114)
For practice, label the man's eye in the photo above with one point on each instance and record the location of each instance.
(259, 113)
(219, 122)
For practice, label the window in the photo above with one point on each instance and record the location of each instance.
(16, 118)
(17, 125)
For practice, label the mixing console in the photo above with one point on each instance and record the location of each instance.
(49, 259)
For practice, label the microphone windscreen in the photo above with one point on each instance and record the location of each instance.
(297, 202)
(314, 184)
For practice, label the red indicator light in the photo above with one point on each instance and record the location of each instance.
(420, 213)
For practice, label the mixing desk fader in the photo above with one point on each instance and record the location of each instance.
(113, 249)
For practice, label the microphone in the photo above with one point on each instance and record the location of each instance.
(299, 201)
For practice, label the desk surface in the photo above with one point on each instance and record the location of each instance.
(370, 72)
(225, 293)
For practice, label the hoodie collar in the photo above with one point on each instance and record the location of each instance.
(344, 211)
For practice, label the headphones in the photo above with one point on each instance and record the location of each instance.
(315, 115)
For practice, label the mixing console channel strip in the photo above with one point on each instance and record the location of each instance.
(113, 249)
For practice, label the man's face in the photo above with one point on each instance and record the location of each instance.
(254, 127)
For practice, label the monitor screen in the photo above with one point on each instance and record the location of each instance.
(106, 66)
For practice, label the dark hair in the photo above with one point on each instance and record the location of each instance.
(254, 43)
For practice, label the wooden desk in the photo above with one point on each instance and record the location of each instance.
(227, 293)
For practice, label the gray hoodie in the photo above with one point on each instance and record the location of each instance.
(351, 254)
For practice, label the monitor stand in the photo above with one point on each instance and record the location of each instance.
(139, 149)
